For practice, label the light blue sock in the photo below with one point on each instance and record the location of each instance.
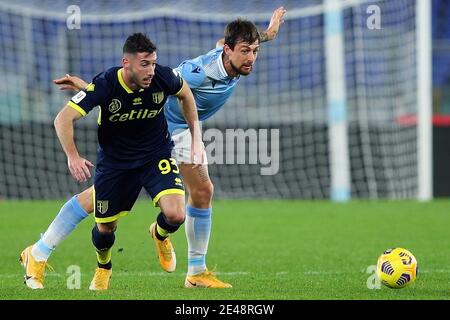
(70, 215)
(198, 230)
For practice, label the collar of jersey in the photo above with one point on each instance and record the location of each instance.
(222, 71)
(123, 84)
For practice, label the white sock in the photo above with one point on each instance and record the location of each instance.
(198, 230)
(70, 215)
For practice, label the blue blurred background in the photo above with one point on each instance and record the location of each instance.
(287, 91)
(441, 56)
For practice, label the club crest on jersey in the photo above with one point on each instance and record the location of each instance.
(115, 106)
(102, 206)
(158, 97)
(137, 101)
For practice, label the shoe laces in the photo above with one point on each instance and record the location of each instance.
(211, 274)
(40, 267)
(211, 271)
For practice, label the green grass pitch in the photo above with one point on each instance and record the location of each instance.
(266, 249)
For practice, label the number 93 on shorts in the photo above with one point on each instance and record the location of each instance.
(116, 190)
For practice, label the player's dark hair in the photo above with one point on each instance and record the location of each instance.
(240, 30)
(138, 42)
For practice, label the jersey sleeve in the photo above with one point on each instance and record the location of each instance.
(95, 94)
(175, 82)
(192, 73)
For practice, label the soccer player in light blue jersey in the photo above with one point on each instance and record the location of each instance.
(212, 78)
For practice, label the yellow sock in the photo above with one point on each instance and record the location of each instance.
(163, 233)
(104, 257)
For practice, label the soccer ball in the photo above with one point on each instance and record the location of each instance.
(397, 268)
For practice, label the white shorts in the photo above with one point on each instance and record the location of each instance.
(182, 149)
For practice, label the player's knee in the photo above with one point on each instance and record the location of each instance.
(204, 191)
(178, 218)
(173, 208)
(202, 194)
(175, 214)
(172, 218)
(104, 238)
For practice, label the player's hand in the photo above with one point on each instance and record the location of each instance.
(79, 168)
(197, 152)
(275, 22)
(69, 82)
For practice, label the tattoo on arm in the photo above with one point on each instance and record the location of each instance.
(203, 173)
(263, 37)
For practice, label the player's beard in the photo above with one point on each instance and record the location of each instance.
(138, 81)
(239, 71)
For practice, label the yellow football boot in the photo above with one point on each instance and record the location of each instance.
(166, 254)
(101, 279)
(34, 270)
(207, 279)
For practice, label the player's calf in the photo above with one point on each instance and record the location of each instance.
(103, 238)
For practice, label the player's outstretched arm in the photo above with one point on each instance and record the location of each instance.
(69, 82)
(275, 22)
(78, 166)
(189, 110)
(272, 30)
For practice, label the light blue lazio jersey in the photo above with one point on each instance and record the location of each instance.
(209, 83)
